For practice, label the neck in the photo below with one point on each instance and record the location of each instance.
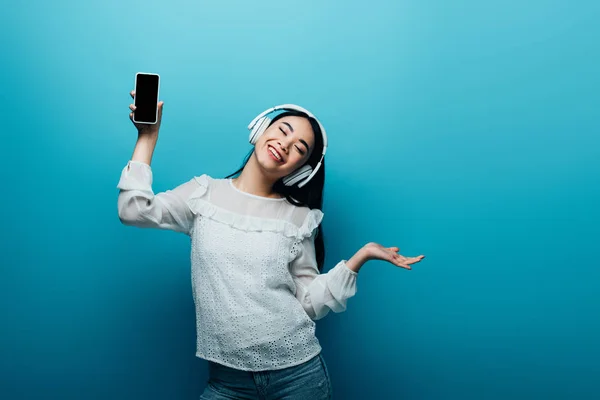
(252, 181)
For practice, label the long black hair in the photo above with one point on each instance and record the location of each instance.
(311, 194)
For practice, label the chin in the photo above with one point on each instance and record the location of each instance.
(267, 164)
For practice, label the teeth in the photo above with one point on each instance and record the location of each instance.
(274, 153)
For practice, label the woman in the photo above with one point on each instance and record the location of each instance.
(257, 254)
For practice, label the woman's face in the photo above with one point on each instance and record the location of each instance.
(285, 146)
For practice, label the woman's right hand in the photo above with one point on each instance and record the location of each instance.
(146, 128)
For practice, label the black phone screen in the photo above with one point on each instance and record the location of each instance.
(146, 98)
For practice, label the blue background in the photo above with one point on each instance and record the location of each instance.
(466, 131)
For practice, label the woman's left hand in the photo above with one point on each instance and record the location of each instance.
(375, 251)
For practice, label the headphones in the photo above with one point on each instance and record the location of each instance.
(259, 124)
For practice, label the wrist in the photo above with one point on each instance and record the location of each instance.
(356, 262)
(144, 148)
(148, 135)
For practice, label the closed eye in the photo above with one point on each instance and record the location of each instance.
(297, 148)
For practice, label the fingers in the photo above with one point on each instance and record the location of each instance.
(405, 262)
(413, 260)
(399, 261)
(132, 108)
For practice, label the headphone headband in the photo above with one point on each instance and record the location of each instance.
(292, 107)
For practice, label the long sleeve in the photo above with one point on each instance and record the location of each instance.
(319, 293)
(139, 206)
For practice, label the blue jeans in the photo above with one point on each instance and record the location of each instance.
(309, 380)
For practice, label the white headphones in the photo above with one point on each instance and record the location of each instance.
(259, 124)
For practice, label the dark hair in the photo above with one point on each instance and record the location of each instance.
(311, 194)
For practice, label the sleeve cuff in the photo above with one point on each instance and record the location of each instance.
(343, 262)
(342, 281)
(135, 175)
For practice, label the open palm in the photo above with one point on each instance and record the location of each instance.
(375, 251)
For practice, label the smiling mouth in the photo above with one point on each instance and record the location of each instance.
(275, 154)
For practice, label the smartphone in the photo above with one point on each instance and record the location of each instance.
(145, 99)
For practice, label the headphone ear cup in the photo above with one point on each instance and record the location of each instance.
(257, 125)
(260, 126)
(298, 175)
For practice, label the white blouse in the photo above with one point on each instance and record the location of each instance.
(256, 286)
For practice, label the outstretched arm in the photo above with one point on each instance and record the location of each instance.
(320, 293)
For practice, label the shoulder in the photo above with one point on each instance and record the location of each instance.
(203, 184)
(207, 180)
(203, 178)
(305, 217)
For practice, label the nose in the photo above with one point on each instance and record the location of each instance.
(283, 145)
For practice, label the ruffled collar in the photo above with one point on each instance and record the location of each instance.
(248, 223)
(230, 181)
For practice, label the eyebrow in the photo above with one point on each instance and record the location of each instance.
(289, 126)
(301, 140)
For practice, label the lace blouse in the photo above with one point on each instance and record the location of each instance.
(255, 282)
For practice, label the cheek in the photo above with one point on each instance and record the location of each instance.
(262, 143)
(297, 161)
(262, 140)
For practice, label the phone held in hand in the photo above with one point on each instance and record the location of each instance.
(145, 99)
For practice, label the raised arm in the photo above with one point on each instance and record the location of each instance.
(137, 204)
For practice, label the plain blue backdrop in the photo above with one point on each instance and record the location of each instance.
(467, 131)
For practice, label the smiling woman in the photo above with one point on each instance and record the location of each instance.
(257, 247)
(306, 148)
